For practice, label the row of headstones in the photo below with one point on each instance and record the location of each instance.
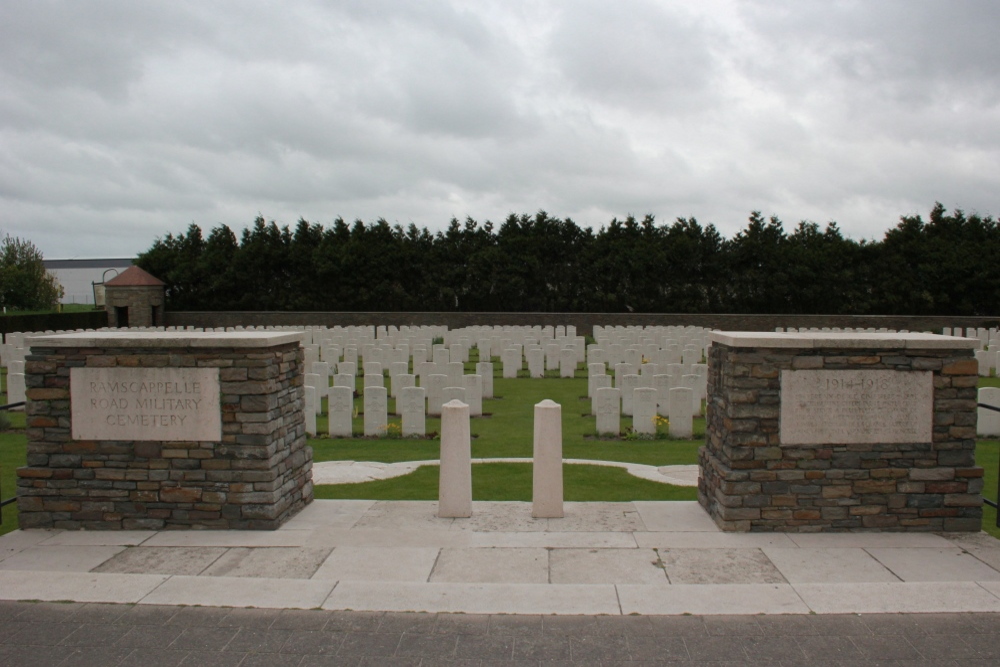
(988, 338)
(988, 421)
(413, 403)
(455, 482)
(676, 395)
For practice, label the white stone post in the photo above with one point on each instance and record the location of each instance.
(455, 482)
(547, 473)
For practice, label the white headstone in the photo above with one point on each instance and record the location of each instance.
(474, 394)
(411, 401)
(374, 380)
(567, 362)
(400, 382)
(680, 413)
(340, 411)
(376, 410)
(644, 410)
(436, 382)
(607, 407)
(629, 383)
(484, 369)
(536, 362)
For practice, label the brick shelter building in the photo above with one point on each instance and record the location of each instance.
(134, 298)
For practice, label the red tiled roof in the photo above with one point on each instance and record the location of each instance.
(133, 276)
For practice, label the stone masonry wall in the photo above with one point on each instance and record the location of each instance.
(751, 482)
(255, 478)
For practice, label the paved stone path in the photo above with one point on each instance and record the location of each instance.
(108, 635)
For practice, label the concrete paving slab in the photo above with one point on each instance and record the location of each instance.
(554, 540)
(991, 586)
(680, 516)
(269, 563)
(59, 558)
(239, 592)
(389, 538)
(328, 513)
(408, 514)
(919, 597)
(162, 560)
(19, 540)
(79, 587)
(710, 600)
(605, 566)
(717, 540)
(501, 517)
(828, 566)
(865, 540)
(476, 598)
(492, 565)
(99, 538)
(967, 540)
(989, 556)
(719, 566)
(949, 564)
(378, 564)
(228, 538)
(597, 518)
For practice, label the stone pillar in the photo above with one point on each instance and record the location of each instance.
(819, 432)
(455, 485)
(547, 473)
(144, 431)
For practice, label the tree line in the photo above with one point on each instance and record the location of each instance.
(945, 265)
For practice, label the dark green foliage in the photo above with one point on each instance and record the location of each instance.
(24, 282)
(538, 263)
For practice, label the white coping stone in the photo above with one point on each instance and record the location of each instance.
(78, 586)
(159, 339)
(455, 486)
(157, 404)
(918, 341)
(710, 599)
(340, 410)
(856, 406)
(411, 404)
(898, 598)
(235, 592)
(476, 598)
(547, 471)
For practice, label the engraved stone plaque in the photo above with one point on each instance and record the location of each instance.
(145, 404)
(856, 406)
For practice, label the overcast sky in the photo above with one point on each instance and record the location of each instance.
(123, 121)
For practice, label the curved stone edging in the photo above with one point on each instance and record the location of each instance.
(355, 472)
